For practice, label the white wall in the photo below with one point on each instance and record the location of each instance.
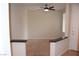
(35, 24)
(67, 18)
(52, 49)
(18, 49)
(44, 25)
(18, 22)
(4, 30)
(74, 26)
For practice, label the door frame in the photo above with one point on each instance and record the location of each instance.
(10, 27)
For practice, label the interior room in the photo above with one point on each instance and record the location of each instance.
(44, 29)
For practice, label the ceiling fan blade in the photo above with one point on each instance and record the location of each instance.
(51, 9)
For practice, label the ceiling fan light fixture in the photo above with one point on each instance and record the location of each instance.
(46, 10)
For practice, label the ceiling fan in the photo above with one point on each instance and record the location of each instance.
(47, 8)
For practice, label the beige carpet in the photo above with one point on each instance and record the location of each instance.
(38, 47)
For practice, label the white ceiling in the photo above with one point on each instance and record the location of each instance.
(36, 6)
